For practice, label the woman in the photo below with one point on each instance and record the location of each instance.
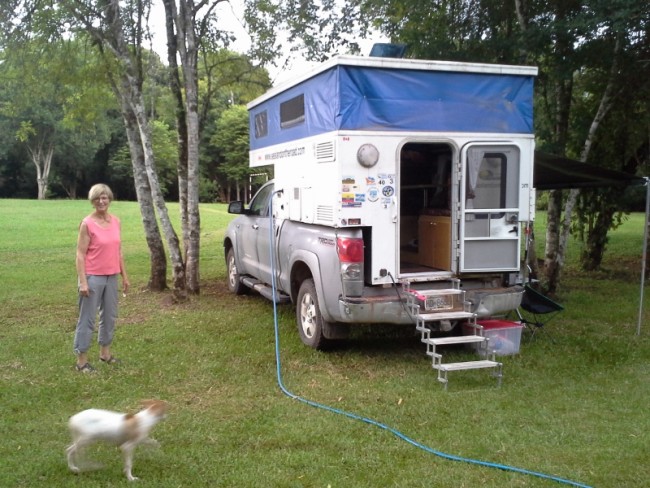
(99, 261)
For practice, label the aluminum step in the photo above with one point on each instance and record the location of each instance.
(443, 369)
(465, 365)
(435, 316)
(468, 339)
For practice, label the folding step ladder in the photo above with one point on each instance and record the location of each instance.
(439, 305)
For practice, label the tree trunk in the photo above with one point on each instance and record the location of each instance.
(43, 162)
(592, 255)
(157, 256)
(178, 268)
(552, 263)
(188, 50)
(181, 124)
(604, 107)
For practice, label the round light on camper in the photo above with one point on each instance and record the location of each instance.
(367, 155)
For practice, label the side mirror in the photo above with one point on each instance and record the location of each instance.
(236, 207)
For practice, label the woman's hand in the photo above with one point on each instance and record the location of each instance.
(83, 290)
(125, 284)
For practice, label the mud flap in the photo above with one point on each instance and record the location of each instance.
(335, 331)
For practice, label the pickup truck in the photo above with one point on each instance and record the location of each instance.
(319, 269)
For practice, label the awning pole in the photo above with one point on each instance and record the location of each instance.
(644, 253)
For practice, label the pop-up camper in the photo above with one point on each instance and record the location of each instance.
(429, 164)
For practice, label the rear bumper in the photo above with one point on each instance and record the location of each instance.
(375, 310)
(392, 308)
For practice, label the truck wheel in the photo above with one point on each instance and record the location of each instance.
(310, 321)
(234, 283)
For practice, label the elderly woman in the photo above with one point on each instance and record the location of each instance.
(99, 262)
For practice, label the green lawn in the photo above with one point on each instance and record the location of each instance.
(574, 407)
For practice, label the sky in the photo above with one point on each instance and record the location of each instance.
(230, 15)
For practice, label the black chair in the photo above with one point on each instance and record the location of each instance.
(536, 310)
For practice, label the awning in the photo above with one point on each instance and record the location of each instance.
(556, 172)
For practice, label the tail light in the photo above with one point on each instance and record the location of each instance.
(350, 250)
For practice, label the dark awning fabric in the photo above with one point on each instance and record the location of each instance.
(556, 172)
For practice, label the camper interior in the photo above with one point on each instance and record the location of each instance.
(426, 195)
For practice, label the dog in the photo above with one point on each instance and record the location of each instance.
(125, 430)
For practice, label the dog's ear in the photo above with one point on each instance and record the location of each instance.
(158, 405)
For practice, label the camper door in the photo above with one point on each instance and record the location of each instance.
(489, 223)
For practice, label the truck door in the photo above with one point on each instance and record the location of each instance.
(255, 234)
(489, 224)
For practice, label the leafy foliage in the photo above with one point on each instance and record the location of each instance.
(53, 97)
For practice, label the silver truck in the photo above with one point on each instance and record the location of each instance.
(318, 268)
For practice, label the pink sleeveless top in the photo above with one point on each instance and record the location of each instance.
(103, 255)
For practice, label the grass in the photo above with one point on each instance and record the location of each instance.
(574, 408)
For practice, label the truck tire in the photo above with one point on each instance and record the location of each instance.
(310, 321)
(234, 283)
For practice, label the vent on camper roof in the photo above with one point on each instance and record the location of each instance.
(325, 151)
(324, 213)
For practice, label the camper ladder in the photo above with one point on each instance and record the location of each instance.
(419, 300)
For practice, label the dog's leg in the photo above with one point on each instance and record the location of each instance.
(127, 451)
(150, 442)
(76, 461)
(71, 452)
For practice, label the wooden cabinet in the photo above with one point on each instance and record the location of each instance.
(434, 241)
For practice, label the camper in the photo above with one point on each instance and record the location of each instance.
(402, 192)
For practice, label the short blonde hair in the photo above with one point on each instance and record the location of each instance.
(98, 190)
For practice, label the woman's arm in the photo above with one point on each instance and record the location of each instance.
(125, 277)
(83, 241)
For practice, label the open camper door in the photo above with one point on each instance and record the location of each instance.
(489, 220)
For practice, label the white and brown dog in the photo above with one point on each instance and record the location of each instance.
(121, 429)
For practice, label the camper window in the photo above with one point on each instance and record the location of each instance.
(261, 125)
(492, 179)
(292, 112)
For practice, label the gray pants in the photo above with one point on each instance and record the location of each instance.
(103, 296)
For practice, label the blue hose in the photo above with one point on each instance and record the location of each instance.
(380, 425)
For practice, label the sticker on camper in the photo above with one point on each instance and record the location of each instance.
(359, 197)
(349, 185)
(388, 191)
(371, 180)
(372, 194)
(349, 200)
(386, 179)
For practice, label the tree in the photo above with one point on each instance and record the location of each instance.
(54, 104)
(182, 39)
(583, 34)
(104, 22)
(117, 29)
(231, 137)
(165, 148)
(227, 79)
(189, 30)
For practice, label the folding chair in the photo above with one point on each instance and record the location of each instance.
(536, 310)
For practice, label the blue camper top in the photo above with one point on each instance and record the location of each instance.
(386, 94)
